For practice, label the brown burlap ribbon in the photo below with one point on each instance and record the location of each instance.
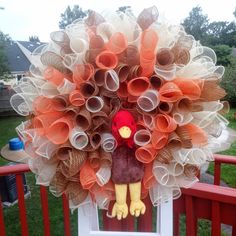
(174, 141)
(94, 159)
(98, 119)
(164, 57)
(164, 155)
(130, 56)
(156, 81)
(183, 134)
(105, 158)
(83, 119)
(72, 165)
(122, 71)
(95, 140)
(183, 105)
(99, 77)
(88, 88)
(211, 90)
(181, 55)
(191, 170)
(76, 193)
(62, 152)
(59, 183)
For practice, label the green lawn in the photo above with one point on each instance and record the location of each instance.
(34, 215)
(7, 130)
(228, 172)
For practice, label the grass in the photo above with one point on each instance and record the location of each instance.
(228, 172)
(34, 214)
(7, 131)
(33, 206)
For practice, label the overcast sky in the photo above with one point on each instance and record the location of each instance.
(22, 18)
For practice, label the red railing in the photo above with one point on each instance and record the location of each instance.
(205, 201)
(17, 170)
(221, 159)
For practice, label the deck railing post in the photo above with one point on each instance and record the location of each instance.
(234, 230)
(190, 216)
(215, 217)
(2, 225)
(66, 212)
(217, 173)
(21, 204)
(44, 203)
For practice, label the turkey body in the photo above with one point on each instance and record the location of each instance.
(125, 167)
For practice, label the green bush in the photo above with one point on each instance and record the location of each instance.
(229, 84)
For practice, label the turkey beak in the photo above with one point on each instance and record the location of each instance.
(125, 132)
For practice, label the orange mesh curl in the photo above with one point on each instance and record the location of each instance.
(54, 76)
(197, 135)
(170, 92)
(58, 132)
(42, 122)
(138, 85)
(82, 72)
(188, 87)
(76, 98)
(42, 104)
(106, 60)
(87, 176)
(165, 123)
(146, 154)
(148, 177)
(148, 42)
(159, 139)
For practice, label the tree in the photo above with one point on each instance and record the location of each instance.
(34, 39)
(210, 33)
(4, 39)
(196, 23)
(70, 15)
(124, 9)
(221, 32)
(224, 55)
(229, 84)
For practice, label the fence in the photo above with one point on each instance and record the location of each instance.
(5, 106)
(204, 201)
(212, 202)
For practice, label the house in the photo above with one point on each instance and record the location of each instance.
(18, 55)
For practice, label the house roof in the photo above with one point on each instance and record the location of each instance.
(16, 57)
(30, 45)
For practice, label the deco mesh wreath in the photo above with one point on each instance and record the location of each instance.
(104, 64)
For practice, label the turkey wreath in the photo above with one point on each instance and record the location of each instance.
(119, 102)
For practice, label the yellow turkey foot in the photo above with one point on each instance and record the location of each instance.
(137, 207)
(120, 208)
